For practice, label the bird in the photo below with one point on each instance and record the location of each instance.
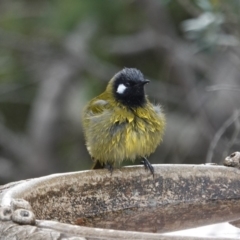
(121, 123)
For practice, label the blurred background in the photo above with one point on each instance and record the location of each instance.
(56, 55)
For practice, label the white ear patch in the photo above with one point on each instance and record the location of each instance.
(121, 88)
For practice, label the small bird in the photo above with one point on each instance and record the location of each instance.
(121, 123)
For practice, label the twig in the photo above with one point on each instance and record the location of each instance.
(36, 151)
(220, 87)
(11, 142)
(219, 134)
(134, 43)
(234, 136)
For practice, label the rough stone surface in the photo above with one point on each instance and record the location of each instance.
(178, 197)
(10, 231)
(5, 213)
(92, 195)
(23, 216)
(232, 160)
(20, 204)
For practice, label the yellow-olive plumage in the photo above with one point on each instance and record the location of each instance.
(121, 123)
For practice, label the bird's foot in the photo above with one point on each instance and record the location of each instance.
(109, 167)
(147, 165)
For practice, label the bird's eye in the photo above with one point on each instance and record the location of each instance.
(129, 84)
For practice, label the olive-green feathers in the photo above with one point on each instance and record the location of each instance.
(121, 123)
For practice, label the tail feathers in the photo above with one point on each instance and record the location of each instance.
(97, 165)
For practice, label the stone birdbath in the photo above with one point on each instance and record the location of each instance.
(129, 204)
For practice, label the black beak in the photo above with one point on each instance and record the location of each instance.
(144, 82)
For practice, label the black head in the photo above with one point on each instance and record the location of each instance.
(128, 87)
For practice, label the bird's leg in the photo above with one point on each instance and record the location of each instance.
(109, 167)
(97, 164)
(147, 165)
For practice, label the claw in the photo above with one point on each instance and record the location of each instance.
(147, 165)
(109, 167)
